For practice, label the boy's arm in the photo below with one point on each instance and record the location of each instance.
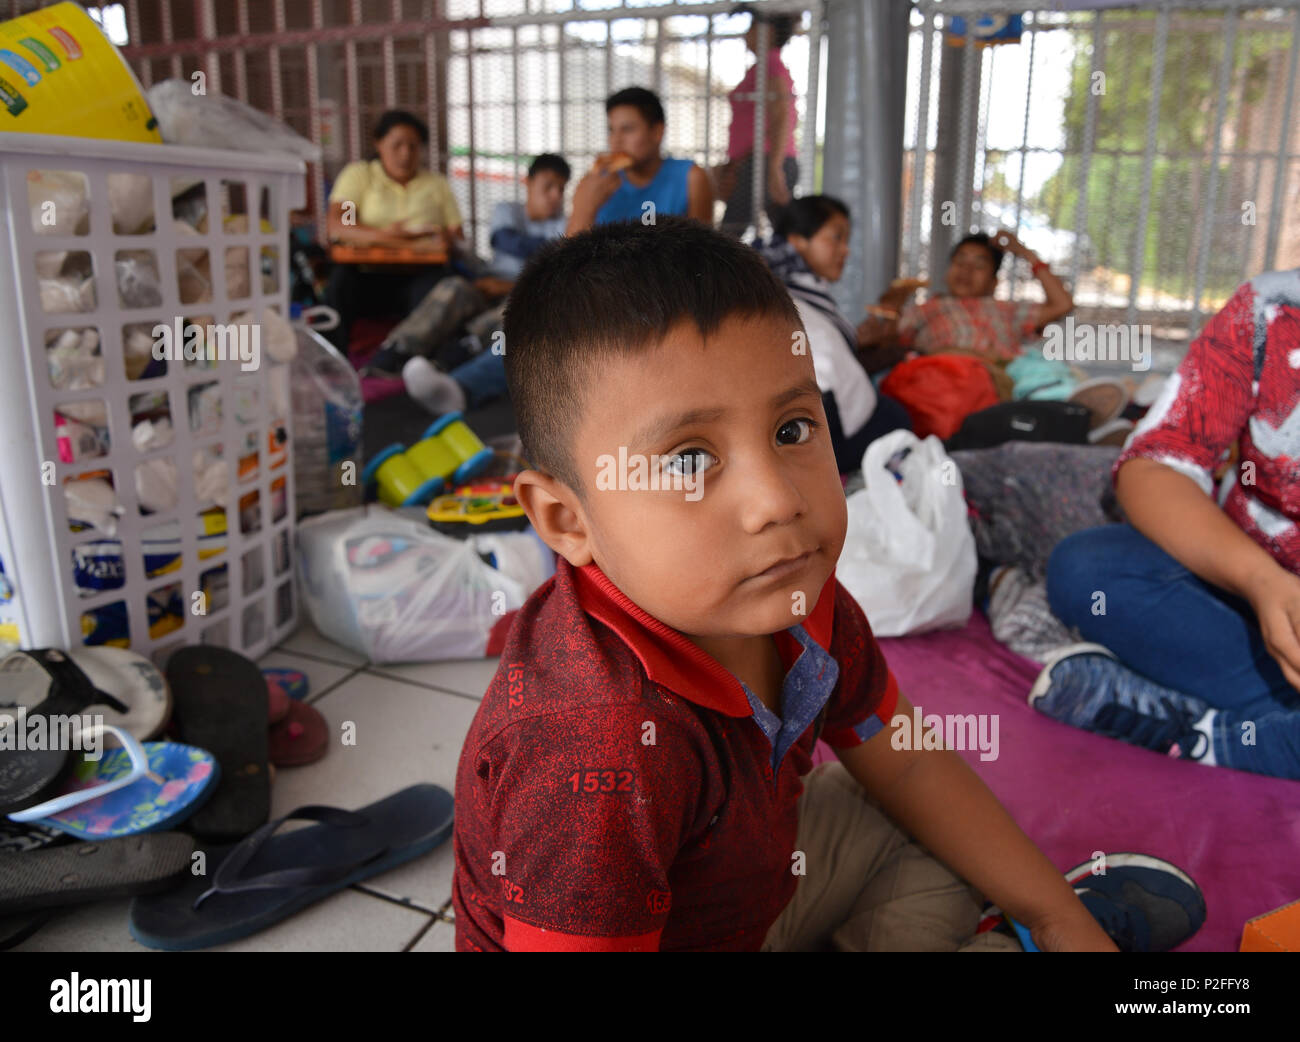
(699, 196)
(940, 801)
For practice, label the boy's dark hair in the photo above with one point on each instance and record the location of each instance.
(982, 239)
(400, 118)
(614, 291)
(644, 101)
(805, 215)
(550, 161)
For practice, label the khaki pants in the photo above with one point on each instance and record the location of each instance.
(867, 886)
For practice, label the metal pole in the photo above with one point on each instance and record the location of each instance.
(920, 148)
(241, 58)
(390, 76)
(206, 24)
(758, 164)
(165, 23)
(514, 110)
(1024, 129)
(313, 122)
(133, 31)
(808, 141)
(1148, 162)
(273, 58)
(965, 152)
(1085, 156)
(708, 90)
(1284, 133)
(469, 118)
(354, 86)
(1211, 201)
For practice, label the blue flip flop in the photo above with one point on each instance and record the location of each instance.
(266, 878)
(142, 787)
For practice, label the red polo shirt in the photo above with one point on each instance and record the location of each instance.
(620, 790)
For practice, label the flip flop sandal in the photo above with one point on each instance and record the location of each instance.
(47, 682)
(17, 928)
(20, 837)
(83, 872)
(267, 878)
(292, 681)
(301, 738)
(221, 706)
(124, 688)
(145, 787)
(277, 703)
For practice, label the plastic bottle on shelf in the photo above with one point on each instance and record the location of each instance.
(327, 406)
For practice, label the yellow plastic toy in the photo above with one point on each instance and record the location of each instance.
(448, 453)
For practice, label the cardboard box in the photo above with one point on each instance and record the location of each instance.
(1275, 931)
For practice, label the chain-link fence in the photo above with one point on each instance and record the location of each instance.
(497, 81)
(1151, 156)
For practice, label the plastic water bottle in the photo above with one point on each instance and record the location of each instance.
(327, 407)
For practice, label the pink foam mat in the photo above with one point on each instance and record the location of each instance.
(1236, 834)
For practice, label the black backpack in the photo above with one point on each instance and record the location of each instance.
(1024, 420)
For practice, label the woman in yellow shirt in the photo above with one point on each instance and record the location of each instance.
(390, 200)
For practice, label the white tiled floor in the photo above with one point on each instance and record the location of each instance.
(410, 722)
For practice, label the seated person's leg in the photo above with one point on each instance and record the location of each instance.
(345, 293)
(868, 886)
(1122, 591)
(469, 385)
(889, 415)
(435, 315)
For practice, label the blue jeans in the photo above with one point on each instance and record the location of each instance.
(483, 377)
(1183, 633)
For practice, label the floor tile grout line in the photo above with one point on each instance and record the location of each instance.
(286, 650)
(425, 684)
(433, 921)
(400, 902)
(312, 699)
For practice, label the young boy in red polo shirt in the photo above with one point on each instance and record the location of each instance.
(638, 774)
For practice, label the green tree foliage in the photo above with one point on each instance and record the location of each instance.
(1183, 131)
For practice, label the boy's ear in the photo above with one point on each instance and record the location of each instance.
(556, 514)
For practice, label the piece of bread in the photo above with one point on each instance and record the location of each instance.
(613, 162)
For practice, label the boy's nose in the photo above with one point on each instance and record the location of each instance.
(770, 497)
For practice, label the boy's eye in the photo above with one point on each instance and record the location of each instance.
(796, 432)
(688, 463)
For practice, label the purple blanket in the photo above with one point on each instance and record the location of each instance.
(1236, 834)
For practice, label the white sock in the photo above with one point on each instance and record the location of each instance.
(436, 391)
(1205, 725)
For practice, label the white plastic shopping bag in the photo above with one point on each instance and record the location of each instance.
(391, 588)
(909, 556)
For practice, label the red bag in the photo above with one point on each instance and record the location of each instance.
(939, 391)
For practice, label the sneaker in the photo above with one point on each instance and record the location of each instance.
(1086, 686)
(436, 391)
(387, 361)
(1143, 903)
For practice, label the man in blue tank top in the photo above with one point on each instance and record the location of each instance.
(652, 184)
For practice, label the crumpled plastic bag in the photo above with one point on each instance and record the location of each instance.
(391, 588)
(215, 121)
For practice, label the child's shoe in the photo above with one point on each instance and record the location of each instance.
(1085, 686)
(1143, 903)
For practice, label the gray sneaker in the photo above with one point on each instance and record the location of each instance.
(1086, 686)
